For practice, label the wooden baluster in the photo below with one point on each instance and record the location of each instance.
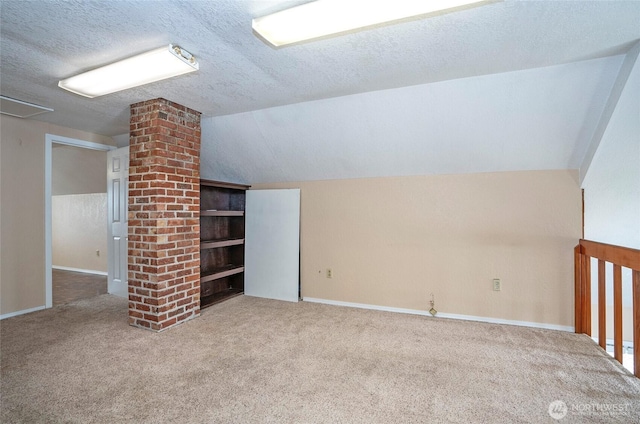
(577, 260)
(586, 294)
(620, 257)
(617, 312)
(636, 323)
(602, 305)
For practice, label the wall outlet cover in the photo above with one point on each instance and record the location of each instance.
(496, 284)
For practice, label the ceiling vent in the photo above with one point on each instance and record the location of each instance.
(20, 109)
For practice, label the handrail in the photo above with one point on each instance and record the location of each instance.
(623, 256)
(620, 257)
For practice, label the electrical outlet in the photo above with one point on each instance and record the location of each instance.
(329, 273)
(496, 284)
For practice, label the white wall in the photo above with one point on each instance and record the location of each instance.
(612, 182)
(79, 231)
(79, 208)
(612, 189)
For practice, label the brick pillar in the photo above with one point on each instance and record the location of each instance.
(164, 209)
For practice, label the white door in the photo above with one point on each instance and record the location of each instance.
(272, 244)
(117, 190)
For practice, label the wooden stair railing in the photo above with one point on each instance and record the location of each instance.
(620, 257)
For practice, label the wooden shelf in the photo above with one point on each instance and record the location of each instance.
(223, 184)
(219, 297)
(213, 244)
(221, 213)
(221, 241)
(221, 272)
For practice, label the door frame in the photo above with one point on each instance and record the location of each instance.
(49, 140)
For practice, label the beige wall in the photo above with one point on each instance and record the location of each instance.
(78, 171)
(393, 241)
(22, 145)
(78, 227)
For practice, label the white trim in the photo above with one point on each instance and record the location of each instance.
(58, 139)
(442, 315)
(49, 139)
(48, 225)
(22, 312)
(84, 271)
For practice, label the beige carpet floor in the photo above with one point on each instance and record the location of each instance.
(251, 360)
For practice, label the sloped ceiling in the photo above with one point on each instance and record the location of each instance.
(524, 120)
(509, 85)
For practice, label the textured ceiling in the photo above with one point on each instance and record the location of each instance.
(551, 42)
(523, 120)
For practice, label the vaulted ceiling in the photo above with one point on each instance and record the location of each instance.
(512, 85)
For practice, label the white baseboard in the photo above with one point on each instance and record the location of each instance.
(22, 312)
(442, 315)
(626, 344)
(86, 271)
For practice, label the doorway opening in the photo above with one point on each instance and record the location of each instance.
(73, 204)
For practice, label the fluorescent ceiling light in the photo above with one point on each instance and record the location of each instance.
(156, 65)
(326, 17)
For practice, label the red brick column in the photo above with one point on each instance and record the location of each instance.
(164, 209)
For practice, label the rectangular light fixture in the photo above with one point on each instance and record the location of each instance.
(327, 17)
(145, 68)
